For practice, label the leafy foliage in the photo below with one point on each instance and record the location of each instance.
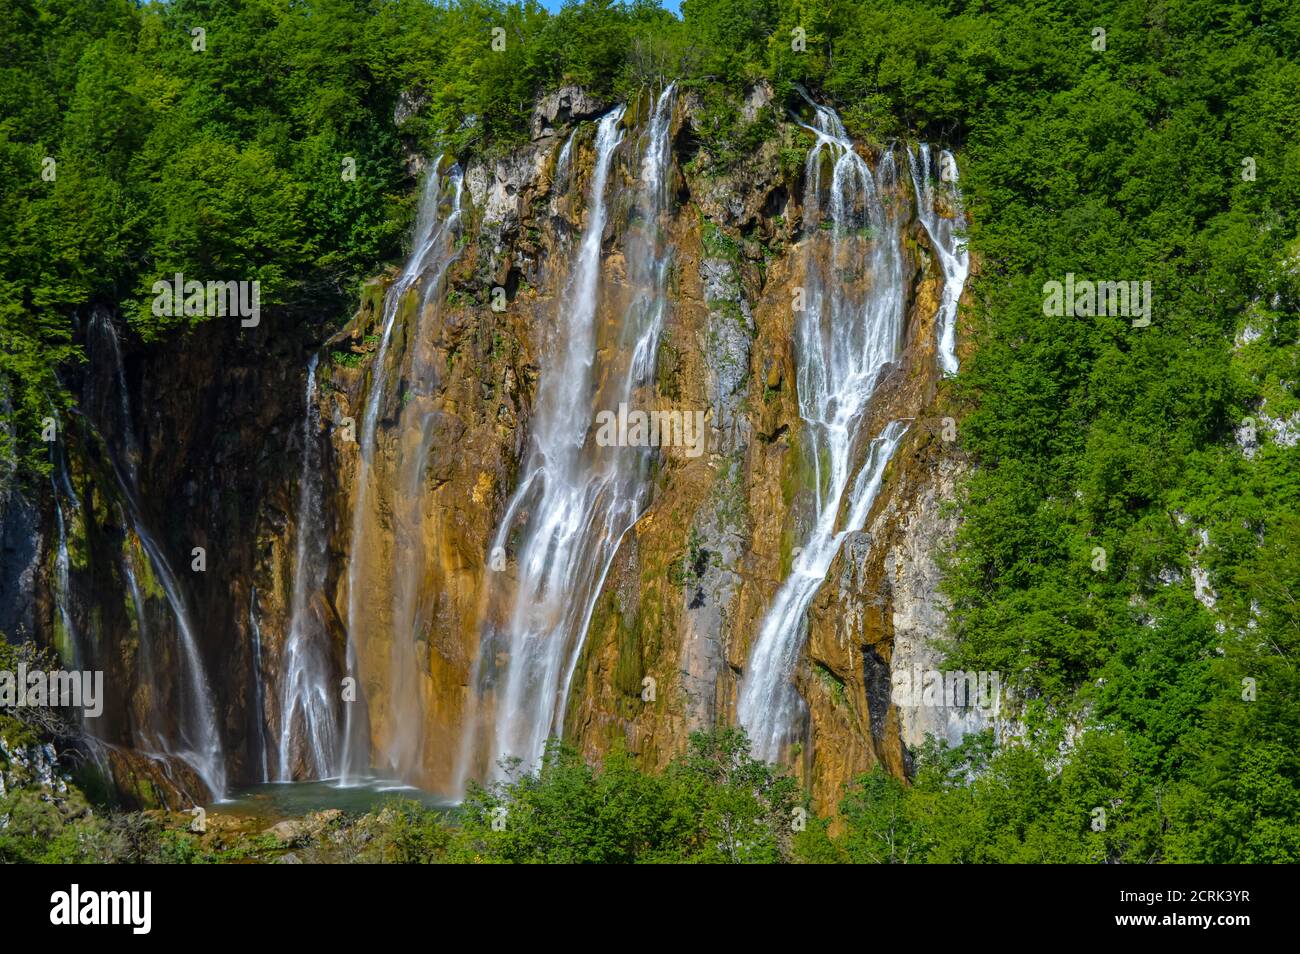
(715, 804)
(1124, 163)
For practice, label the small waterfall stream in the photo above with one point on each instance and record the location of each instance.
(574, 500)
(258, 714)
(192, 734)
(67, 638)
(400, 712)
(308, 744)
(949, 246)
(849, 332)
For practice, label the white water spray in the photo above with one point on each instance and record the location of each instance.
(433, 251)
(259, 695)
(848, 333)
(575, 500)
(948, 244)
(308, 744)
(67, 638)
(197, 739)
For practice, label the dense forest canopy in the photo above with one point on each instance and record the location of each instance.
(1168, 152)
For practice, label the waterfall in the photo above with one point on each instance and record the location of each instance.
(197, 740)
(849, 331)
(67, 639)
(433, 250)
(648, 258)
(259, 696)
(575, 500)
(953, 255)
(145, 734)
(563, 173)
(308, 744)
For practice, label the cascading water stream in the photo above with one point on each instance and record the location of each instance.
(554, 492)
(74, 645)
(575, 500)
(563, 173)
(67, 638)
(433, 251)
(949, 246)
(197, 740)
(650, 261)
(308, 746)
(849, 331)
(259, 696)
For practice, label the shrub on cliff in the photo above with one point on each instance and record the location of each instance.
(716, 803)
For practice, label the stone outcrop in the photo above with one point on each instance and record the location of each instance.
(567, 105)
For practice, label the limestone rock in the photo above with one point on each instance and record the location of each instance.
(568, 104)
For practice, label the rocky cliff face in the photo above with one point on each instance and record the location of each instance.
(412, 501)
